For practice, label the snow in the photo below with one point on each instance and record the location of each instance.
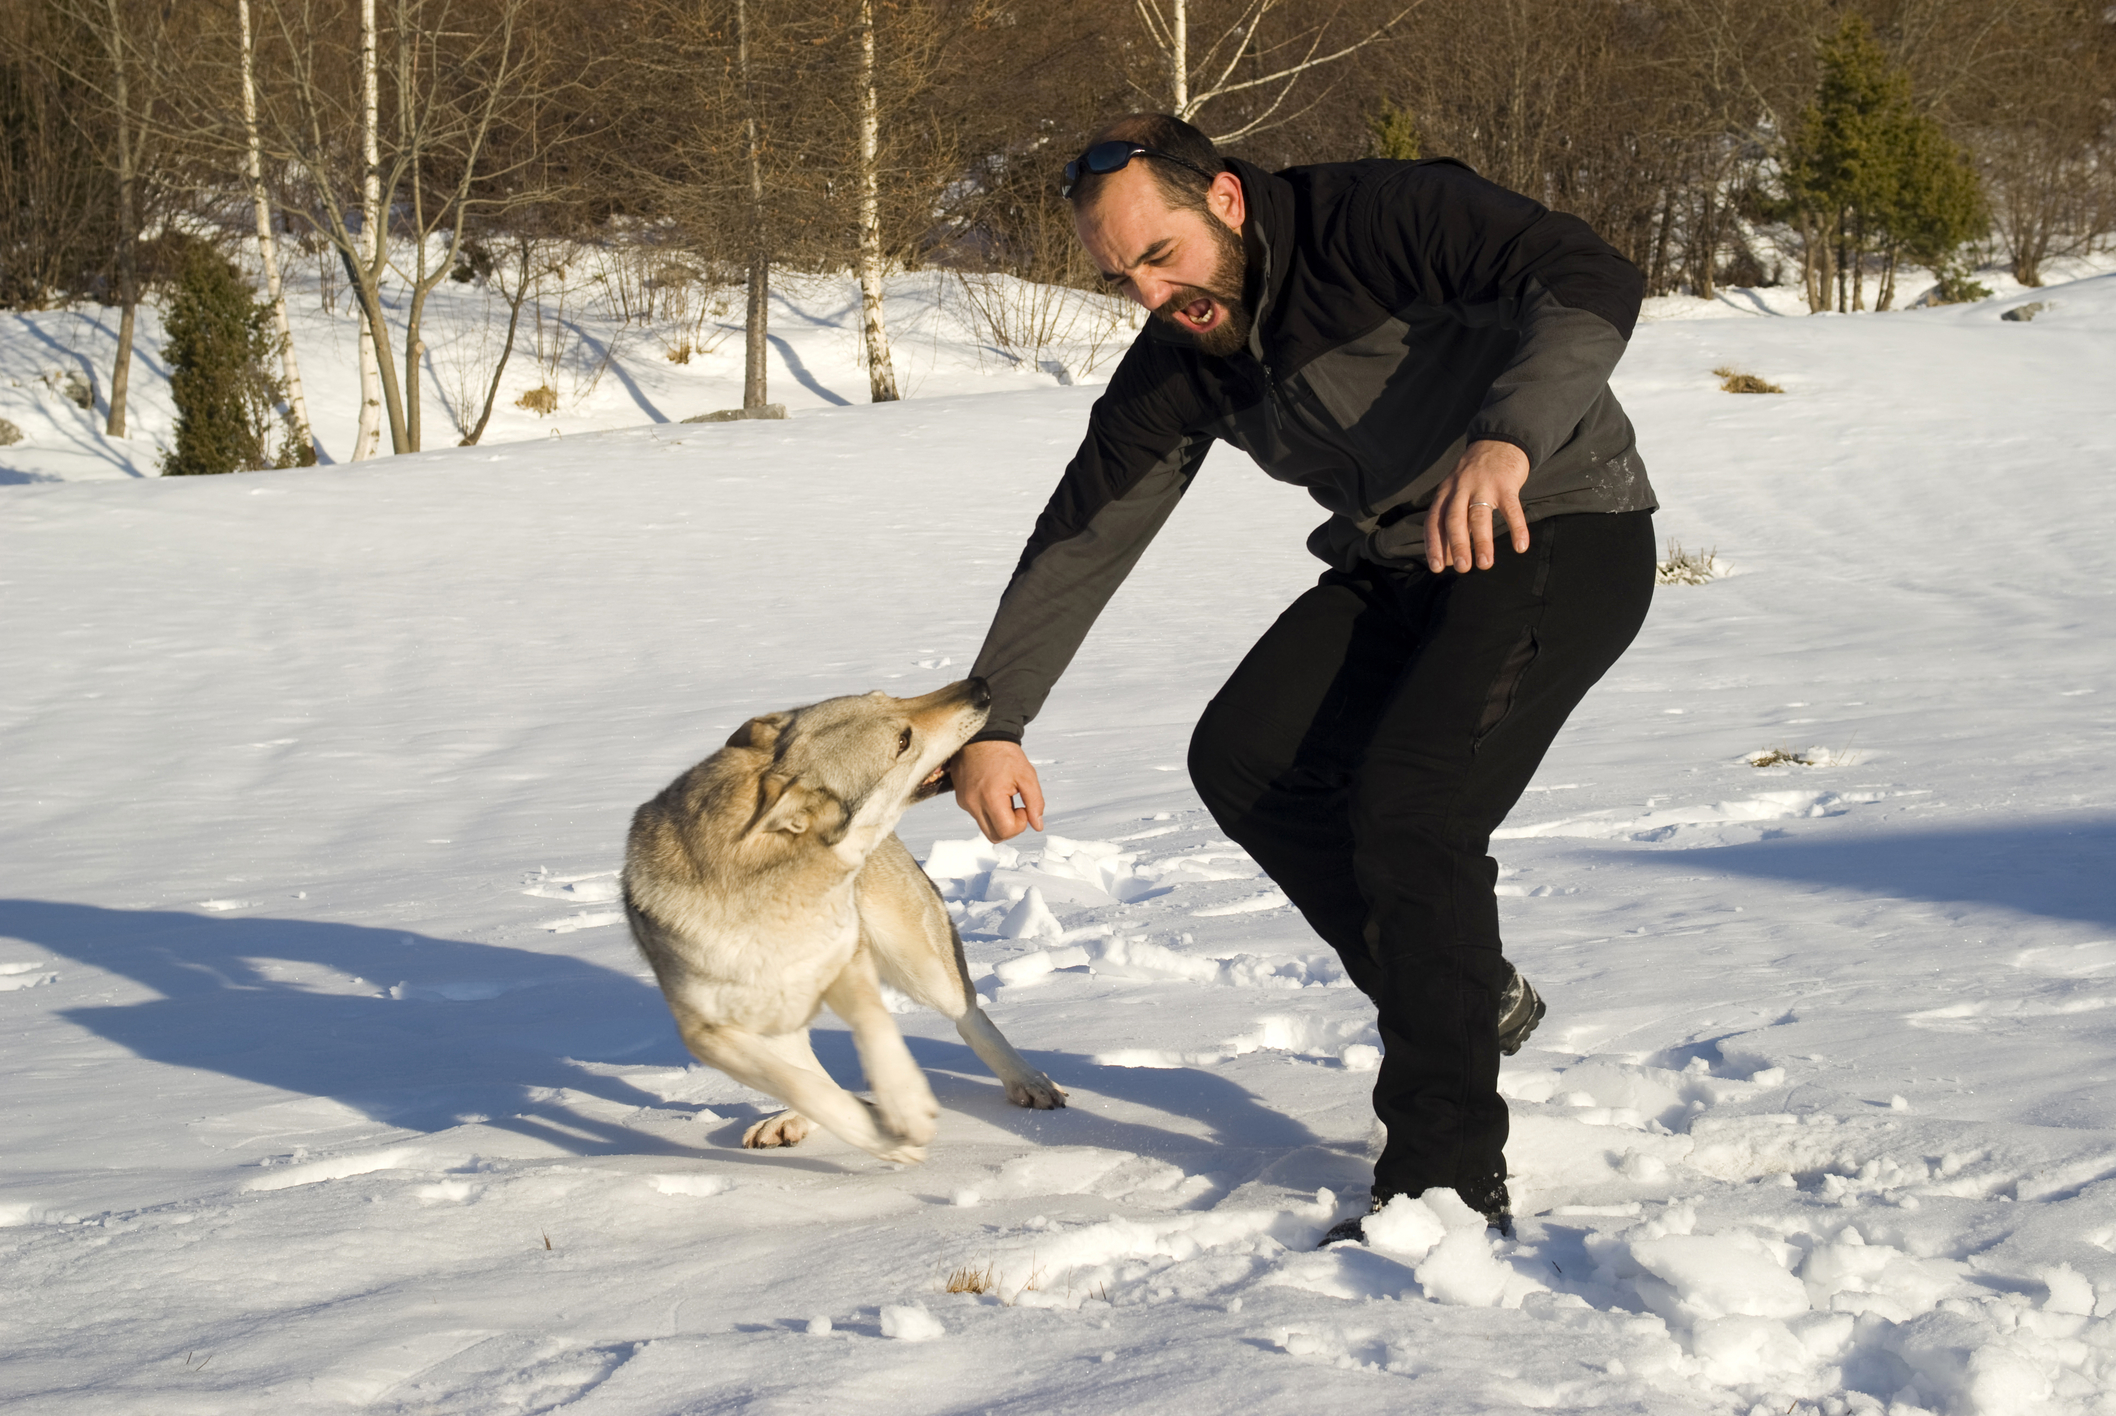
(333, 1082)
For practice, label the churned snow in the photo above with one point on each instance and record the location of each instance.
(332, 1080)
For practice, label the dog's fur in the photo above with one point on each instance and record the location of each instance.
(768, 881)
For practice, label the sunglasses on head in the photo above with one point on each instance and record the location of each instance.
(1112, 156)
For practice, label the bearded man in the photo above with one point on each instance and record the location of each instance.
(1428, 355)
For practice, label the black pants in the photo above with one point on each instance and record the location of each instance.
(1364, 752)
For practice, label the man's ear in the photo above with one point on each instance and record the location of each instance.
(760, 732)
(1227, 200)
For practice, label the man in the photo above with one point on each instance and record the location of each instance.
(1428, 355)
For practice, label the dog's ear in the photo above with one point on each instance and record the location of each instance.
(760, 732)
(786, 806)
(783, 805)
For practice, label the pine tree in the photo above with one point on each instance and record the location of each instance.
(1867, 172)
(219, 345)
(1392, 131)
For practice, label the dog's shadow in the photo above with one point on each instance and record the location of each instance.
(424, 1034)
(412, 1031)
(1226, 1120)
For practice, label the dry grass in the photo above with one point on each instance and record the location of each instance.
(970, 1280)
(541, 400)
(1681, 567)
(1802, 757)
(1734, 382)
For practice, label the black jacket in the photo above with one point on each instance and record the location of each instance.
(1402, 310)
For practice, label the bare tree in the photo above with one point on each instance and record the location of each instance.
(267, 252)
(1282, 61)
(461, 79)
(57, 206)
(372, 250)
(756, 349)
(874, 331)
(129, 38)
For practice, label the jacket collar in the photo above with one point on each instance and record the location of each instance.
(1267, 232)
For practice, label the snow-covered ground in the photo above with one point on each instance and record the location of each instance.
(330, 1079)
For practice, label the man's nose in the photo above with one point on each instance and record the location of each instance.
(1150, 290)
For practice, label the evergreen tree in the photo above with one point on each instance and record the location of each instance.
(1392, 132)
(220, 347)
(1867, 172)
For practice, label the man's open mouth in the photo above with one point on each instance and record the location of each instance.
(937, 781)
(1200, 314)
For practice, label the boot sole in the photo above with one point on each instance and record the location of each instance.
(1517, 1028)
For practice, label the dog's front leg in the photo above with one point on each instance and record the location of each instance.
(901, 1094)
(784, 1066)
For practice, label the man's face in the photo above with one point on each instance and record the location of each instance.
(1186, 267)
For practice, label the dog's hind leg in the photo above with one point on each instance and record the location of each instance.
(1025, 1085)
(784, 1066)
(918, 950)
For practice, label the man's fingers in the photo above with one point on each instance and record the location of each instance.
(1433, 562)
(1480, 522)
(1459, 551)
(1032, 798)
(1515, 521)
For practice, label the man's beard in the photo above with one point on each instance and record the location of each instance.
(1231, 335)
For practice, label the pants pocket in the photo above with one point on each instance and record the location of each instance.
(1505, 685)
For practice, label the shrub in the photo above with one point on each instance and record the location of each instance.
(541, 400)
(220, 347)
(1681, 567)
(1958, 286)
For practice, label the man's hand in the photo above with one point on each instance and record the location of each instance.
(987, 777)
(1485, 484)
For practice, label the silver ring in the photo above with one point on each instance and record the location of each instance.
(1484, 504)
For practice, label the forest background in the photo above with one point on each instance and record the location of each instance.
(696, 147)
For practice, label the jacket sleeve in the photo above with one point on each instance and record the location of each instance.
(1449, 234)
(1131, 470)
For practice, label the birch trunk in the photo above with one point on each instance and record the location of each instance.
(128, 228)
(367, 442)
(1179, 63)
(881, 375)
(756, 326)
(267, 248)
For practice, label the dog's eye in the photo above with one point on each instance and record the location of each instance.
(903, 742)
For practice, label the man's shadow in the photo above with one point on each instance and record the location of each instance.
(438, 1032)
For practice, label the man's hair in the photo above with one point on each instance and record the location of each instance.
(1181, 188)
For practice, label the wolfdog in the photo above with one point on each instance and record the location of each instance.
(768, 881)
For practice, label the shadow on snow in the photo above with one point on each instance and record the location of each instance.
(2058, 869)
(496, 1032)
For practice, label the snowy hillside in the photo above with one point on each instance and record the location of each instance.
(333, 1082)
(606, 361)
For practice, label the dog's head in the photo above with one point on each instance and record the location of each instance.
(846, 769)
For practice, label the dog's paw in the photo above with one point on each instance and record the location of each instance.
(1039, 1093)
(915, 1121)
(788, 1128)
(902, 1155)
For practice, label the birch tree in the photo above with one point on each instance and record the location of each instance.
(267, 252)
(874, 331)
(463, 130)
(367, 256)
(1217, 72)
(757, 253)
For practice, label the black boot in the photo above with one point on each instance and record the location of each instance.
(1489, 1199)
